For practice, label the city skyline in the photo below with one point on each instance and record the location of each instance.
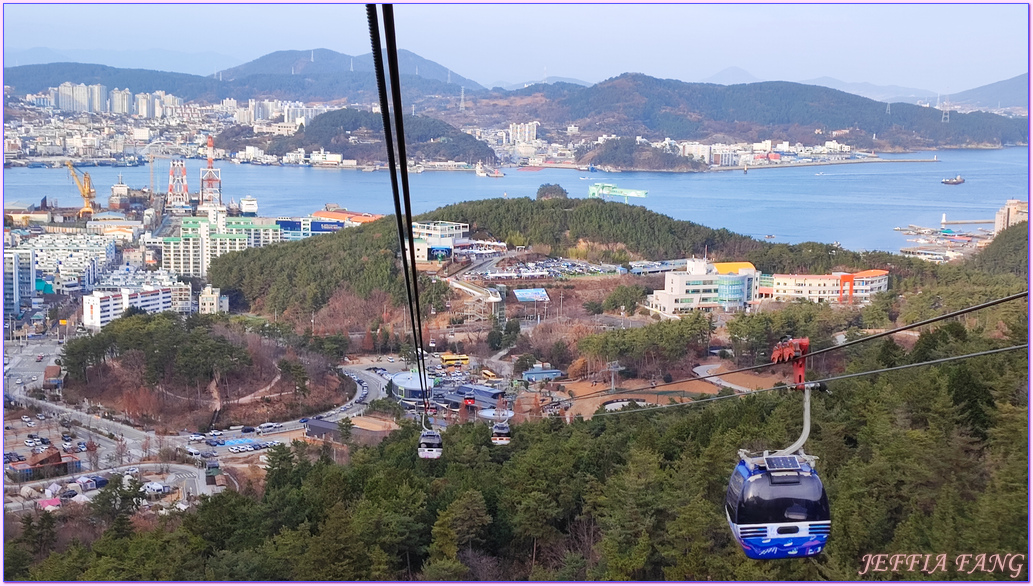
(917, 46)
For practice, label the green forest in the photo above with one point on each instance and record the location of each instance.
(302, 276)
(927, 460)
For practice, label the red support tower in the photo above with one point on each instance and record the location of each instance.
(793, 350)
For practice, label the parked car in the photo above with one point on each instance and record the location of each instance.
(30, 443)
(44, 441)
(34, 377)
(25, 418)
(39, 416)
(31, 424)
(303, 420)
(196, 437)
(212, 442)
(247, 429)
(68, 494)
(66, 437)
(133, 470)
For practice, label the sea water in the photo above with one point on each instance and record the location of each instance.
(858, 205)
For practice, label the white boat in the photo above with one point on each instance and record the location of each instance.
(248, 206)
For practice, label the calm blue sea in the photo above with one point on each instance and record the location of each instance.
(857, 205)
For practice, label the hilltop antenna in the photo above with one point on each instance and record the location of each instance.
(352, 66)
(887, 109)
(449, 76)
(417, 70)
(462, 99)
(946, 116)
(312, 56)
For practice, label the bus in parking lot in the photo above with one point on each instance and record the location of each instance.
(454, 359)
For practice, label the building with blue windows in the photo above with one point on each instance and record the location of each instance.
(301, 228)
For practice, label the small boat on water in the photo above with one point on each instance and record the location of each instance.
(770, 236)
(955, 181)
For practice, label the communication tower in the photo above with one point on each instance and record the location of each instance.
(211, 179)
(462, 99)
(178, 196)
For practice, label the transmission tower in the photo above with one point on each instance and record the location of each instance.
(462, 99)
(178, 193)
(887, 109)
(946, 116)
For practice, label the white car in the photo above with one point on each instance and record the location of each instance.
(30, 443)
(234, 449)
(17, 381)
(133, 470)
(215, 433)
(25, 418)
(67, 445)
(196, 437)
(34, 377)
(30, 423)
(41, 416)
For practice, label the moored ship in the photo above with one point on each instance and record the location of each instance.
(955, 181)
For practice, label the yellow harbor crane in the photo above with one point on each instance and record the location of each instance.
(89, 195)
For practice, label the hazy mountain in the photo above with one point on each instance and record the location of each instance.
(551, 79)
(1010, 93)
(638, 105)
(732, 76)
(882, 93)
(203, 63)
(321, 61)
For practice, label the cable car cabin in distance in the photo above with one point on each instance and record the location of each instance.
(500, 434)
(777, 508)
(455, 360)
(430, 445)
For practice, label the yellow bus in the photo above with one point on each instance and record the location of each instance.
(454, 359)
(490, 375)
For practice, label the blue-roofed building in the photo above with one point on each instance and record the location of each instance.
(541, 374)
(482, 392)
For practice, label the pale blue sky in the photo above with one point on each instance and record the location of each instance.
(938, 47)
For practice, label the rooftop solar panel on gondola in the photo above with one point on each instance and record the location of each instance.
(782, 463)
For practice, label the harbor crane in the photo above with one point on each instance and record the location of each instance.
(89, 195)
(604, 190)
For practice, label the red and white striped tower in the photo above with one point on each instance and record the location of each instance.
(211, 179)
(178, 193)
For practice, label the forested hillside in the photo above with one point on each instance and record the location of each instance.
(302, 276)
(922, 461)
(425, 138)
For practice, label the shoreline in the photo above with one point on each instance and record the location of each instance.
(725, 169)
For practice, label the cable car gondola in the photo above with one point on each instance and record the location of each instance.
(500, 434)
(777, 507)
(430, 444)
(776, 504)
